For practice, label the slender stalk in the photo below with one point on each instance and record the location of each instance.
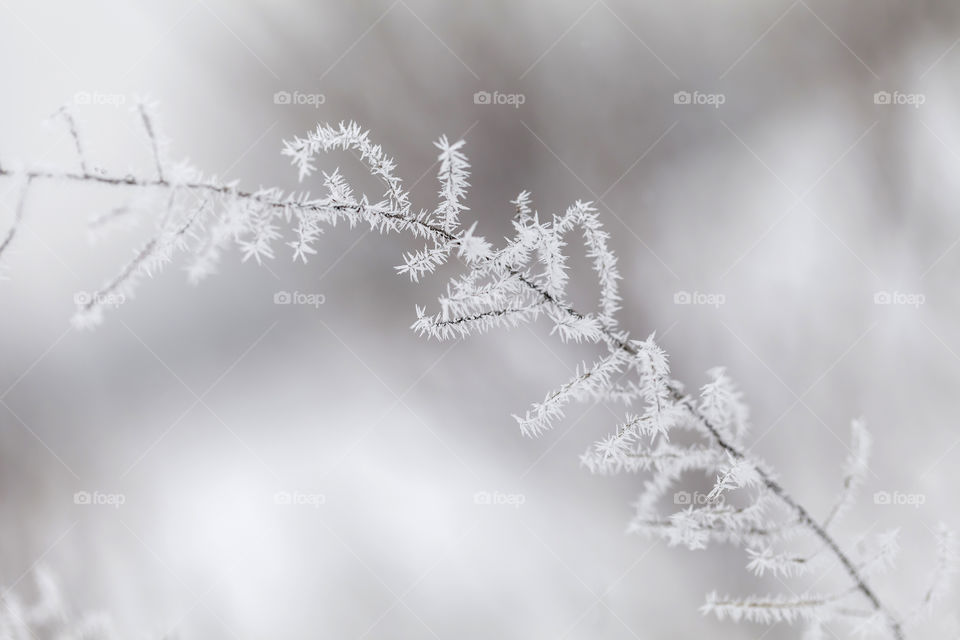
(17, 214)
(614, 339)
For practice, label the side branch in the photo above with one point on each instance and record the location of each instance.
(802, 515)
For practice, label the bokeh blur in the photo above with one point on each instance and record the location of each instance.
(791, 165)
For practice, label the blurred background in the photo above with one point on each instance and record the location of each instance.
(787, 161)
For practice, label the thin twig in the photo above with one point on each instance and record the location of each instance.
(615, 340)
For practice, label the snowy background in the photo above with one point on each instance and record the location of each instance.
(797, 200)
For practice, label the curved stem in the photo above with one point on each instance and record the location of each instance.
(614, 340)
